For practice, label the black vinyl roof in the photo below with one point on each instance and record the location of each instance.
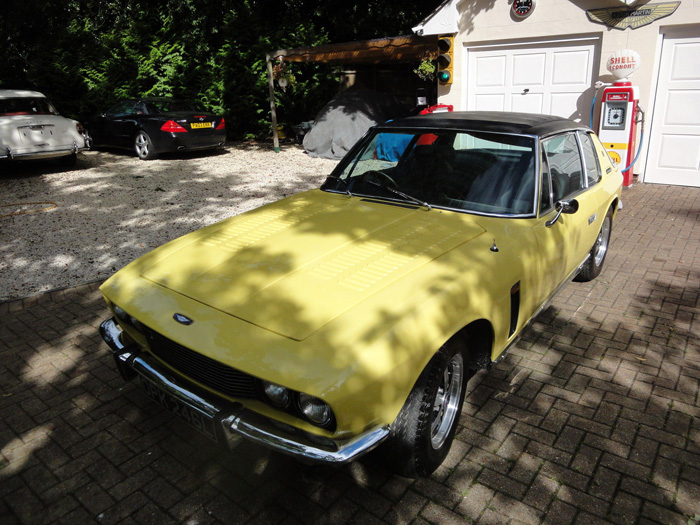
(494, 121)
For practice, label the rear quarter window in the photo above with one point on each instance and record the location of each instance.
(606, 165)
(565, 166)
(590, 159)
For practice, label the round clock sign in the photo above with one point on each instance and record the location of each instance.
(523, 8)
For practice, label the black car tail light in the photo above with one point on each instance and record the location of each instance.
(222, 124)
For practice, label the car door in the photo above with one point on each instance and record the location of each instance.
(565, 177)
(117, 126)
(124, 124)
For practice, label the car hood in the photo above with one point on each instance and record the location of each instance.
(295, 265)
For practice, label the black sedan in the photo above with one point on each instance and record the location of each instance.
(151, 126)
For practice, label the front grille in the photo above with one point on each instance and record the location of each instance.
(215, 375)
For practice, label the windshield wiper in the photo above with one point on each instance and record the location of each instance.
(335, 177)
(405, 196)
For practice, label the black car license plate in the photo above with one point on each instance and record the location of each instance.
(198, 420)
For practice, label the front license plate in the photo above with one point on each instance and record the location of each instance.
(199, 125)
(199, 421)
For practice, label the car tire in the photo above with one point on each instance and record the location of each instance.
(143, 145)
(423, 432)
(594, 264)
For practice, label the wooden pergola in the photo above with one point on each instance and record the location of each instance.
(411, 48)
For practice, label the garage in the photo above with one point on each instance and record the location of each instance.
(546, 57)
(674, 143)
(547, 77)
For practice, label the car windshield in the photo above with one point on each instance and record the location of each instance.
(492, 173)
(168, 106)
(26, 106)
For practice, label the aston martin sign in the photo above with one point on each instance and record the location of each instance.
(626, 17)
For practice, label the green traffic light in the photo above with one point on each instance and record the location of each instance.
(444, 76)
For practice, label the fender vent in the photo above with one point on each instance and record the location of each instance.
(514, 308)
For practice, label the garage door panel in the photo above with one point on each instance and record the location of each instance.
(491, 71)
(680, 152)
(683, 108)
(571, 68)
(490, 103)
(530, 103)
(565, 104)
(684, 65)
(529, 70)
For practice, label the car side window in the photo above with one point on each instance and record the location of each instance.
(124, 108)
(565, 167)
(590, 159)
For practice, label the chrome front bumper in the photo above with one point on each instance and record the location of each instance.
(231, 420)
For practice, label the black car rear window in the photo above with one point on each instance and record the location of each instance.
(168, 106)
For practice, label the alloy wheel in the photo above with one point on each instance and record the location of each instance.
(446, 404)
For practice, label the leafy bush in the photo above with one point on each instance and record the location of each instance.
(87, 54)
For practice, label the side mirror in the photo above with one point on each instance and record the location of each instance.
(569, 207)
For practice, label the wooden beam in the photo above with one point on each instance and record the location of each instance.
(273, 102)
(411, 48)
(395, 49)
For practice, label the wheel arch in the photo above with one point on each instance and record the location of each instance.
(614, 205)
(475, 340)
(409, 450)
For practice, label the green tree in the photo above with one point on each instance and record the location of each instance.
(87, 54)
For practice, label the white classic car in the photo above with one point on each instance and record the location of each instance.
(31, 128)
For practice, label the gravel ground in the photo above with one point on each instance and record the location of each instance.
(60, 228)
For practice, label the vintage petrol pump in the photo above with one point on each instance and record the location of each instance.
(619, 112)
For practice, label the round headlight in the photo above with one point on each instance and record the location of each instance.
(120, 313)
(136, 323)
(278, 395)
(315, 410)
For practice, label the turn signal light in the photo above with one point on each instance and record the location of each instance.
(222, 124)
(172, 127)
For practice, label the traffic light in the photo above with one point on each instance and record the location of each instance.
(445, 59)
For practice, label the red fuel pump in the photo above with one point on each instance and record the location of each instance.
(619, 113)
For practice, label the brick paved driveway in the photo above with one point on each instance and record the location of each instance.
(593, 417)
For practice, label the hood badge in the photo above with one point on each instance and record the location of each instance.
(183, 319)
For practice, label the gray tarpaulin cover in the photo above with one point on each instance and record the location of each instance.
(347, 117)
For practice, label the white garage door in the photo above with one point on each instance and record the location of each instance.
(674, 145)
(552, 78)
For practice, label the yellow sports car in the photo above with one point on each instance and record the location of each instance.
(350, 317)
